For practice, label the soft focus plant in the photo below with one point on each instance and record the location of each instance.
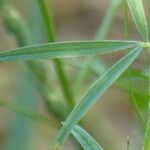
(68, 116)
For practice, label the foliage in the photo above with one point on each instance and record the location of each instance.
(53, 50)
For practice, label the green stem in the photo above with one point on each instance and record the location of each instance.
(48, 20)
(16, 25)
(147, 45)
(25, 112)
(134, 103)
(128, 143)
(146, 145)
(108, 19)
(58, 65)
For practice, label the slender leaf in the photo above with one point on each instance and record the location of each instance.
(147, 133)
(108, 19)
(139, 95)
(48, 20)
(50, 30)
(96, 91)
(131, 83)
(65, 49)
(138, 14)
(21, 126)
(27, 113)
(87, 142)
(137, 74)
(126, 20)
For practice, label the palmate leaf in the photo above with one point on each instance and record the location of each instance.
(96, 91)
(138, 14)
(87, 142)
(65, 49)
(147, 133)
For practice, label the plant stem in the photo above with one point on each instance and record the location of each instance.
(146, 145)
(48, 20)
(25, 112)
(57, 63)
(133, 99)
(17, 26)
(108, 19)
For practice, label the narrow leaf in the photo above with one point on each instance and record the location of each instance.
(95, 92)
(147, 133)
(65, 49)
(138, 14)
(27, 113)
(108, 18)
(87, 142)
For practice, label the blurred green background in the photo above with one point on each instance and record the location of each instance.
(111, 121)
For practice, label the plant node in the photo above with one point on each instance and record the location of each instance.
(147, 45)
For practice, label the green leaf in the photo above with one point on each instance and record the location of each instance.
(136, 74)
(27, 113)
(87, 142)
(65, 49)
(139, 94)
(95, 92)
(147, 133)
(138, 14)
(108, 18)
(20, 126)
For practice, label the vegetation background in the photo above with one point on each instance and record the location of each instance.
(112, 121)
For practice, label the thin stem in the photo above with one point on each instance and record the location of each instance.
(126, 19)
(126, 28)
(58, 65)
(108, 19)
(146, 145)
(128, 143)
(32, 115)
(48, 20)
(17, 26)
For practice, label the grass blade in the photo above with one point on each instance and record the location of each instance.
(139, 95)
(135, 98)
(138, 14)
(108, 19)
(96, 91)
(65, 49)
(27, 113)
(21, 126)
(147, 133)
(87, 142)
(48, 20)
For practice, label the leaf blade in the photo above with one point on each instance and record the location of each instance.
(96, 91)
(19, 109)
(108, 19)
(87, 142)
(65, 49)
(138, 14)
(147, 133)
